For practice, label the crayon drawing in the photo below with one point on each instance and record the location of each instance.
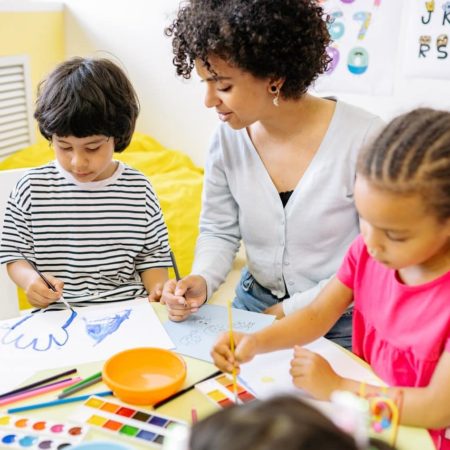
(52, 339)
(197, 334)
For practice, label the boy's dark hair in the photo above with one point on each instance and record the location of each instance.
(412, 156)
(85, 97)
(283, 422)
(280, 39)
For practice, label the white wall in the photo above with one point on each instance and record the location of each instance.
(172, 109)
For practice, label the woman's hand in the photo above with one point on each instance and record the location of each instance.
(184, 297)
(314, 374)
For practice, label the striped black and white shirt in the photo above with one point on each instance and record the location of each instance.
(96, 237)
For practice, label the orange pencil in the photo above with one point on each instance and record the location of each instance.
(230, 320)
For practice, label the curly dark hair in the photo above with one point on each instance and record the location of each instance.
(281, 39)
(85, 97)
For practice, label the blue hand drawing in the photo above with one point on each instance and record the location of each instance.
(98, 329)
(36, 332)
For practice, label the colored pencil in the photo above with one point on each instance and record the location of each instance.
(84, 380)
(38, 391)
(34, 389)
(186, 389)
(233, 372)
(96, 378)
(175, 267)
(58, 402)
(177, 273)
(194, 416)
(47, 282)
(38, 383)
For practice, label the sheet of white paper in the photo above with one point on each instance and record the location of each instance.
(197, 334)
(12, 376)
(46, 340)
(268, 374)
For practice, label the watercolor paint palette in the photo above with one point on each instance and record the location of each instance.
(124, 421)
(22, 432)
(220, 391)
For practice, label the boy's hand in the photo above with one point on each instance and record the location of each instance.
(39, 294)
(245, 350)
(184, 297)
(314, 374)
(156, 293)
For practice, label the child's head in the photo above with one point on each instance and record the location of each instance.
(85, 97)
(282, 422)
(402, 190)
(279, 39)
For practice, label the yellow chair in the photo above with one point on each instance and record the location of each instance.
(175, 178)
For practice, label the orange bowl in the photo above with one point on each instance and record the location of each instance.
(144, 375)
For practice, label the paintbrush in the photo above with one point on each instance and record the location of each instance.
(230, 320)
(49, 285)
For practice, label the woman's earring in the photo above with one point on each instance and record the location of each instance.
(274, 90)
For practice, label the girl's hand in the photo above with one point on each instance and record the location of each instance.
(245, 350)
(276, 310)
(314, 374)
(39, 294)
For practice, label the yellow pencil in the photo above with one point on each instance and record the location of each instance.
(230, 320)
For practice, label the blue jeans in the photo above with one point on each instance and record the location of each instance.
(251, 296)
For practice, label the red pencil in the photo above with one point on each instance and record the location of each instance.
(194, 415)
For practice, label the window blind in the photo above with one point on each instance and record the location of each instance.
(15, 104)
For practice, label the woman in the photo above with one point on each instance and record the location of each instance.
(281, 166)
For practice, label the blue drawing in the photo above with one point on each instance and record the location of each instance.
(98, 329)
(36, 332)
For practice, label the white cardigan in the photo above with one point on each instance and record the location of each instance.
(301, 245)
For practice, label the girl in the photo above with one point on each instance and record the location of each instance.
(397, 273)
(281, 167)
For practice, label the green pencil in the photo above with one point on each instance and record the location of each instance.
(89, 381)
(84, 380)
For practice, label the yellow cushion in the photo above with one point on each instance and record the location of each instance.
(175, 178)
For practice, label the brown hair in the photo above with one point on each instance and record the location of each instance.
(412, 155)
(282, 422)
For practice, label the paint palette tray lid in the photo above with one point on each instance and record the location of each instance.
(31, 432)
(220, 391)
(100, 445)
(125, 422)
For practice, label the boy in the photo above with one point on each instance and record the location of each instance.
(91, 224)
